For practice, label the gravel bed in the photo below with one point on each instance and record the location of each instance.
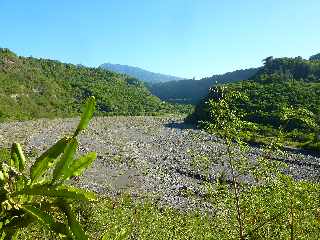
(143, 156)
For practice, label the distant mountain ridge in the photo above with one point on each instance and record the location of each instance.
(191, 91)
(139, 73)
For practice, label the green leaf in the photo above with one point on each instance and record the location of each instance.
(43, 162)
(58, 192)
(19, 221)
(74, 225)
(10, 234)
(17, 157)
(46, 219)
(87, 115)
(66, 159)
(79, 165)
(20, 182)
(1, 176)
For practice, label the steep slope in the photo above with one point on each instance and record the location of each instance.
(139, 73)
(191, 91)
(283, 94)
(315, 57)
(36, 88)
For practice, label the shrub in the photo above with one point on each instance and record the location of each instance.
(40, 195)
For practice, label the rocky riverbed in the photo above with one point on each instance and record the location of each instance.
(144, 156)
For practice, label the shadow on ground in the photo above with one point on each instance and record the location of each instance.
(180, 125)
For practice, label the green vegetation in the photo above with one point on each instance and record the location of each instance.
(271, 212)
(192, 91)
(267, 214)
(284, 95)
(39, 88)
(42, 195)
(258, 200)
(315, 57)
(249, 200)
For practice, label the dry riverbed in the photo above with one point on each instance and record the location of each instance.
(143, 156)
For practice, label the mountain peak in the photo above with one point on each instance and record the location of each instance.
(139, 73)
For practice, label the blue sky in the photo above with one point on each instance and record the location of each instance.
(180, 37)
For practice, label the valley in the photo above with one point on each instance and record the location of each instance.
(146, 157)
(160, 120)
(181, 162)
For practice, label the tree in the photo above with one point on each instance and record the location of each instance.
(315, 57)
(267, 60)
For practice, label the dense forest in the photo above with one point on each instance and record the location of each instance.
(191, 91)
(284, 94)
(36, 88)
(315, 57)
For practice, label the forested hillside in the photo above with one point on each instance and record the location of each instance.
(283, 94)
(315, 57)
(139, 73)
(36, 88)
(191, 91)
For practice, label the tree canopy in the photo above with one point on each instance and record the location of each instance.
(284, 94)
(38, 88)
(315, 57)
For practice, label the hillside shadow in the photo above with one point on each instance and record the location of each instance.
(180, 125)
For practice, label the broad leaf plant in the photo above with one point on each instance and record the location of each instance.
(41, 193)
